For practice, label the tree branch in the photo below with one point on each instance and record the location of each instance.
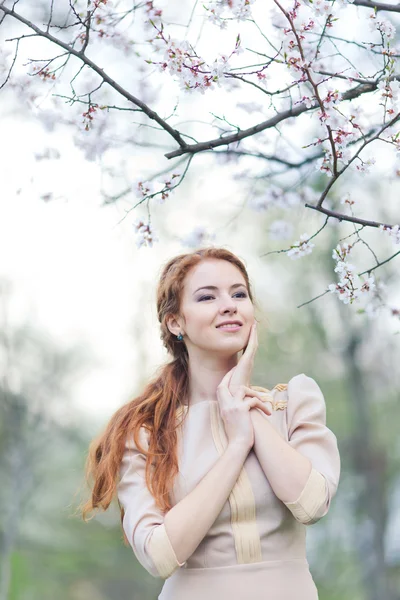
(350, 218)
(12, 66)
(378, 5)
(338, 174)
(355, 92)
(87, 27)
(369, 271)
(150, 113)
(185, 148)
(272, 157)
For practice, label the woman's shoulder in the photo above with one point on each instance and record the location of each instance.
(278, 394)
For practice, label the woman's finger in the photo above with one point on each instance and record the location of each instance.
(223, 392)
(251, 343)
(244, 368)
(245, 390)
(256, 403)
(226, 378)
(254, 394)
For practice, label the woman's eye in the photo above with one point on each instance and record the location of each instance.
(243, 294)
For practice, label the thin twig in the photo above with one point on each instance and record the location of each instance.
(368, 271)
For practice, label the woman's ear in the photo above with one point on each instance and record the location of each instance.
(173, 325)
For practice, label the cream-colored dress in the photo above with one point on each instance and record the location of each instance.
(256, 548)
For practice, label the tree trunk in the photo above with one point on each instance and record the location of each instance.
(370, 464)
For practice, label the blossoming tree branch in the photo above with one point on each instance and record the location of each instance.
(310, 90)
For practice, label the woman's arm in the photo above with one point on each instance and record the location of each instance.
(190, 519)
(162, 542)
(305, 471)
(289, 471)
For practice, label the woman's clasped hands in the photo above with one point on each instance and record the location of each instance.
(236, 398)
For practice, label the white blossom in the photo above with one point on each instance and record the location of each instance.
(390, 91)
(333, 97)
(49, 119)
(341, 251)
(307, 101)
(322, 7)
(280, 230)
(324, 164)
(393, 232)
(219, 66)
(93, 144)
(344, 293)
(198, 236)
(371, 310)
(263, 201)
(290, 199)
(145, 234)
(191, 70)
(259, 203)
(363, 168)
(301, 247)
(385, 27)
(144, 188)
(275, 196)
(159, 188)
(368, 286)
(344, 154)
(346, 288)
(153, 14)
(238, 9)
(345, 269)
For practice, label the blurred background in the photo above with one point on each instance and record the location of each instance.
(79, 337)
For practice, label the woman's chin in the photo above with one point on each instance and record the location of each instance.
(231, 346)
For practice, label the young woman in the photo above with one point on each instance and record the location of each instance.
(217, 479)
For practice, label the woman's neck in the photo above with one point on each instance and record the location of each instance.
(204, 378)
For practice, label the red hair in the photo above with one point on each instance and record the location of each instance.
(155, 408)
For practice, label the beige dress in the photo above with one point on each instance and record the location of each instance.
(256, 548)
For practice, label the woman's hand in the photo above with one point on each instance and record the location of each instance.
(243, 371)
(235, 411)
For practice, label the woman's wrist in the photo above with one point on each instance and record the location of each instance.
(239, 447)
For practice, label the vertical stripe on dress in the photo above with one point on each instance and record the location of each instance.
(241, 500)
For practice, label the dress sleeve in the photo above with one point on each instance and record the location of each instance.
(308, 433)
(143, 521)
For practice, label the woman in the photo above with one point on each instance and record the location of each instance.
(217, 479)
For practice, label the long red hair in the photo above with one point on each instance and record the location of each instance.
(155, 408)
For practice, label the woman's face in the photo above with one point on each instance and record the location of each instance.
(215, 291)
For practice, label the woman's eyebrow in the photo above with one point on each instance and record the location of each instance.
(213, 287)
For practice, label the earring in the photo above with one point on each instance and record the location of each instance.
(180, 337)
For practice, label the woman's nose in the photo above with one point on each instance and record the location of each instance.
(228, 305)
